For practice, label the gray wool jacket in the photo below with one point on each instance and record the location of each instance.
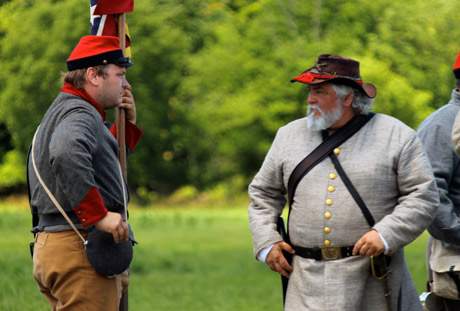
(435, 132)
(386, 163)
(76, 156)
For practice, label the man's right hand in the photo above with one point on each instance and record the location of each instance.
(276, 260)
(113, 223)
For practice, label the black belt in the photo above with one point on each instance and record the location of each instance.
(324, 253)
(48, 220)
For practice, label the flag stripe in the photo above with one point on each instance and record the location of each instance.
(107, 7)
(106, 24)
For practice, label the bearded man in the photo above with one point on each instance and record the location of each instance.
(332, 238)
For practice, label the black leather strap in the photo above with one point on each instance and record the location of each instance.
(310, 161)
(367, 214)
(323, 150)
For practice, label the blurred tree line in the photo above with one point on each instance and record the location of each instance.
(211, 78)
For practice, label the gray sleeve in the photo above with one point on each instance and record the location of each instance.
(268, 198)
(418, 199)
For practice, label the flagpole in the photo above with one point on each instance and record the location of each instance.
(121, 112)
(121, 119)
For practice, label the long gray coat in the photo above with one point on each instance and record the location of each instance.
(436, 133)
(387, 165)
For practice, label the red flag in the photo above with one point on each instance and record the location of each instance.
(107, 7)
(107, 24)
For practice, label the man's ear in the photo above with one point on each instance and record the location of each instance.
(348, 100)
(92, 77)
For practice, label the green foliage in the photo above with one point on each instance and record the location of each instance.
(211, 78)
(36, 39)
(13, 172)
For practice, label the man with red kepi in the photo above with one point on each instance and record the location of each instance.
(364, 189)
(76, 157)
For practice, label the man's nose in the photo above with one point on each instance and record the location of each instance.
(126, 84)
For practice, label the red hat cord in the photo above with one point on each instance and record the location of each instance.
(309, 77)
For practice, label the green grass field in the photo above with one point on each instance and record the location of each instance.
(197, 258)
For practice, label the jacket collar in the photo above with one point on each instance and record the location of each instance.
(71, 89)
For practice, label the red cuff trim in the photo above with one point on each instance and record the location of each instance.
(132, 134)
(91, 209)
(113, 129)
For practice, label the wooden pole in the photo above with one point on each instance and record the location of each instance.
(121, 119)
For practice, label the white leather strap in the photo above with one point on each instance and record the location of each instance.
(56, 203)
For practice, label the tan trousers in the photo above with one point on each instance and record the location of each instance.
(66, 278)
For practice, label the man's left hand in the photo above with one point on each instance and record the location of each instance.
(127, 103)
(370, 244)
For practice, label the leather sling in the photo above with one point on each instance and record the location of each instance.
(323, 151)
(384, 260)
(354, 193)
(315, 157)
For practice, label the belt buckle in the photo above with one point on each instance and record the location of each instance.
(330, 253)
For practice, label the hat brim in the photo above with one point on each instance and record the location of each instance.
(368, 89)
(111, 57)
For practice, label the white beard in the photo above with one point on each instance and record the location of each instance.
(326, 119)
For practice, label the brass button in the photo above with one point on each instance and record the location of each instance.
(327, 215)
(337, 150)
(332, 176)
(80, 212)
(329, 202)
(327, 230)
(83, 220)
(327, 242)
(330, 189)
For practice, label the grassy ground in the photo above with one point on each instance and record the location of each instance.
(187, 259)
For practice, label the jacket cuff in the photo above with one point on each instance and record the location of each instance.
(91, 209)
(132, 134)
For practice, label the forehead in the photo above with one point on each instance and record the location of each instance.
(322, 86)
(115, 69)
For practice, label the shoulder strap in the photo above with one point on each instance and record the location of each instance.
(54, 200)
(367, 214)
(323, 150)
(51, 196)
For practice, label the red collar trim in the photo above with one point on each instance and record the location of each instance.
(71, 89)
(309, 77)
